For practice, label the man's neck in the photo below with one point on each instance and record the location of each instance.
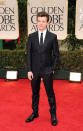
(42, 30)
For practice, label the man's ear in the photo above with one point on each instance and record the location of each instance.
(48, 23)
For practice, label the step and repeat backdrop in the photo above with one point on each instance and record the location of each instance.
(9, 25)
(79, 19)
(58, 12)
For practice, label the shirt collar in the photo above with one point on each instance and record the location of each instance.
(44, 32)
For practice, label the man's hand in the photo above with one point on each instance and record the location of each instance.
(53, 72)
(30, 75)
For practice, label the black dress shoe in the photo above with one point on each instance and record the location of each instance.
(53, 120)
(31, 117)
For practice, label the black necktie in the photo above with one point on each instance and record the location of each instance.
(41, 39)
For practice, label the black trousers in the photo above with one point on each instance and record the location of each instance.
(48, 83)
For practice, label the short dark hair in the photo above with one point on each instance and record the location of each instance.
(43, 14)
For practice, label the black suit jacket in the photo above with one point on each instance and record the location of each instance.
(42, 59)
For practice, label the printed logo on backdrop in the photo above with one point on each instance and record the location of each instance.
(9, 28)
(79, 19)
(58, 12)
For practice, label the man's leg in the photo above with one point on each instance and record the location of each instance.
(48, 82)
(35, 84)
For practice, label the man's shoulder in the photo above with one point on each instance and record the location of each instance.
(52, 34)
(33, 34)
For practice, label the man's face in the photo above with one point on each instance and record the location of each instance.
(42, 23)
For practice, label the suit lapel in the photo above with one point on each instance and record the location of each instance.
(36, 37)
(46, 38)
(37, 40)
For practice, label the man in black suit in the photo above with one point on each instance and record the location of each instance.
(42, 58)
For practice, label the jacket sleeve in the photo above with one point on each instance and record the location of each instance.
(55, 53)
(28, 48)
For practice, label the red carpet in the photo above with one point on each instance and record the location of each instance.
(15, 107)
